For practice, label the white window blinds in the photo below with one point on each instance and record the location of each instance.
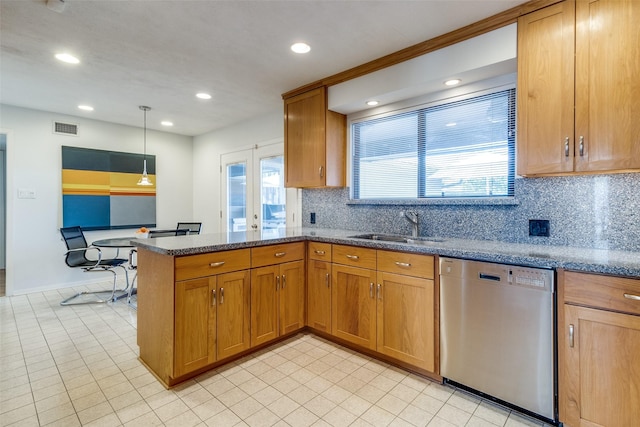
(463, 148)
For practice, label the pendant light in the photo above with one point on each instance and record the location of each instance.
(144, 179)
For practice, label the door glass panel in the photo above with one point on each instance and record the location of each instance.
(237, 197)
(272, 196)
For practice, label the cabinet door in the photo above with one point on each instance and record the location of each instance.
(291, 297)
(264, 304)
(607, 84)
(406, 319)
(233, 299)
(545, 91)
(600, 373)
(353, 305)
(195, 320)
(304, 142)
(319, 295)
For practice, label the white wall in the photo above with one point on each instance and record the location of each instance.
(34, 248)
(207, 149)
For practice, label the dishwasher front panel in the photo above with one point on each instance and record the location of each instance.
(497, 332)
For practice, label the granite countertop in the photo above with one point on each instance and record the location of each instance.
(604, 261)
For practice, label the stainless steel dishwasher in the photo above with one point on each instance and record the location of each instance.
(497, 333)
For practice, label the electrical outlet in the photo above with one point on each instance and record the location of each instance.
(313, 218)
(539, 227)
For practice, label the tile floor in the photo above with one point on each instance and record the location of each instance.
(77, 365)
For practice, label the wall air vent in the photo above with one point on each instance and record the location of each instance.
(65, 128)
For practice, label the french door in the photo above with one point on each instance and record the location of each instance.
(253, 197)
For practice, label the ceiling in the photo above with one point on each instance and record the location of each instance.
(160, 53)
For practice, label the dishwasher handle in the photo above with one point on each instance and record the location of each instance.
(485, 276)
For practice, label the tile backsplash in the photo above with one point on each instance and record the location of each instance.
(596, 211)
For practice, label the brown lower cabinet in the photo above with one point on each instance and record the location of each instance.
(599, 350)
(211, 319)
(385, 301)
(198, 311)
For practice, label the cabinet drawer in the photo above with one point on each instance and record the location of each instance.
(320, 251)
(194, 266)
(406, 264)
(276, 254)
(355, 256)
(607, 292)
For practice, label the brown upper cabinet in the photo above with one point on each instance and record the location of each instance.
(578, 91)
(314, 142)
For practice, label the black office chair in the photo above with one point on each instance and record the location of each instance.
(76, 257)
(167, 233)
(193, 227)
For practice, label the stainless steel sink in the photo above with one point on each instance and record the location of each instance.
(397, 238)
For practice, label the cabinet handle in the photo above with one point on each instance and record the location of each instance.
(354, 257)
(284, 281)
(319, 252)
(633, 297)
(571, 336)
(221, 296)
(321, 171)
(581, 145)
(378, 291)
(216, 264)
(403, 264)
(277, 282)
(566, 146)
(279, 254)
(371, 290)
(326, 280)
(213, 297)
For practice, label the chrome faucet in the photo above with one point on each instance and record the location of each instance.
(412, 217)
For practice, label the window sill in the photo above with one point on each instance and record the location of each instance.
(471, 201)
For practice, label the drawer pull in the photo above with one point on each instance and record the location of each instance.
(633, 297)
(319, 252)
(213, 297)
(354, 257)
(216, 264)
(403, 264)
(279, 254)
(571, 336)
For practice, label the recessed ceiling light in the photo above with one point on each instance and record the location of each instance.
(300, 47)
(68, 58)
(453, 82)
(166, 123)
(85, 107)
(372, 103)
(203, 95)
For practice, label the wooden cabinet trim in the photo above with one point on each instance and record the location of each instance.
(211, 263)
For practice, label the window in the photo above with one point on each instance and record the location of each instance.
(464, 148)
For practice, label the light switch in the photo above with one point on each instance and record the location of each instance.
(26, 193)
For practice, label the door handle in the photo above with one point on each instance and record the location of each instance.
(221, 296)
(371, 290)
(213, 297)
(566, 146)
(378, 291)
(581, 146)
(284, 281)
(321, 171)
(326, 280)
(277, 282)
